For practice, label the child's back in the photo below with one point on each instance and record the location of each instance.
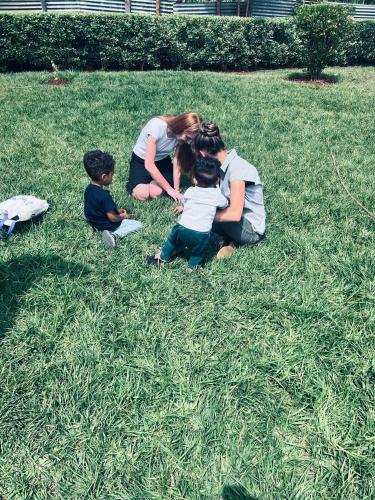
(97, 203)
(200, 204)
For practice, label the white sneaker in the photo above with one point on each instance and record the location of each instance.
(108, 239)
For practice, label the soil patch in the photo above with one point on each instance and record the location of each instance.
(304, 79)
(58, 81)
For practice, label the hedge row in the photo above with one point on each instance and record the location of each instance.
(107, 41)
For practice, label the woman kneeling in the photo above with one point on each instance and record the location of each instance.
(151, 170)
(243, 222)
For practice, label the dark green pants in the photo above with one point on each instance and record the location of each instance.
(181, 238)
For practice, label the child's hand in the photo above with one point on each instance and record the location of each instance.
(178, 209)
(123, 213)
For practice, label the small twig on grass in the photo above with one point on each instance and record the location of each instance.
(368, 212)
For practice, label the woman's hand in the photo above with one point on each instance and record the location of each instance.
(173, 193)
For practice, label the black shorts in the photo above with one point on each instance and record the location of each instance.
(139, 175)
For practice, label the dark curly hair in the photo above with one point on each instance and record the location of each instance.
(98, 163)
(206, 171)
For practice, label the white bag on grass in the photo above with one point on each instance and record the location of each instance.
(19, 209)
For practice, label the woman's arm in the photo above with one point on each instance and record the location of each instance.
(153, 170)
(176, 174)
(237, 198)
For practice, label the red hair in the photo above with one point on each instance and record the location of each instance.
(186, 123)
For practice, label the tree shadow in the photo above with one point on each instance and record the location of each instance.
(236, 492)
(18, 275)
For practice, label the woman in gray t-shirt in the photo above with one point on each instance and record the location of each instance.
(151, 170)
(243, 222)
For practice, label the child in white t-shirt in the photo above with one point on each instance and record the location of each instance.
(193, 228)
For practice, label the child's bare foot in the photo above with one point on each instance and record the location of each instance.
(226, 251)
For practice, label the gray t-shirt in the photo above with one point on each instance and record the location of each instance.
(236, 168)
(158, 129)
(200, 206)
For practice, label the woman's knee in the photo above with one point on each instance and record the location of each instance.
(155, 191)
(141, 192)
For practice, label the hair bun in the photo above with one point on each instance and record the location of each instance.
(209, 129)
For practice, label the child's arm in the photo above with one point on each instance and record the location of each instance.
(117, 217)
(180, 207)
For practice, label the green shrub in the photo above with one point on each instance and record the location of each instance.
(108, 41)
(364, 50)
(325, 31)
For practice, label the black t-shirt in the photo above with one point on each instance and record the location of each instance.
(98, 202)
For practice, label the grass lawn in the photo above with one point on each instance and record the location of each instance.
(123, 382)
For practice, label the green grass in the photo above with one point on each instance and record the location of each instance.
(123, 382)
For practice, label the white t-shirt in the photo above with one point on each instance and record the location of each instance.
(157, 128)
(200, 206)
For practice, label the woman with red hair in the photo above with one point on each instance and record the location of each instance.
(151, 169)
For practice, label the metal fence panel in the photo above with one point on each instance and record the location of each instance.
(260, 8)
(231, 8)
(143, 6)
(201, 9)
(20, 5)
(62, 5)
(272, 8)
(364, 11)
(166, 7)
(102, 5)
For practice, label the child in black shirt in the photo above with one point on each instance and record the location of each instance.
(100, 209)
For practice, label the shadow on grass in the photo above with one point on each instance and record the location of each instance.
(18, 275)
(236, 492)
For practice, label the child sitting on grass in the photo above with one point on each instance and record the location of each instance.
(193, 229)
(100, 209)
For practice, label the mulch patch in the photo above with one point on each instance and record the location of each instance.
(58, 81)
(308, 81)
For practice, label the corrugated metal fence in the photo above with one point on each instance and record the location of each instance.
(258, 8)
(78, 5)
(364, 11)
(137, 6)
(20, 5)
(272, 8)
(209, 9)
